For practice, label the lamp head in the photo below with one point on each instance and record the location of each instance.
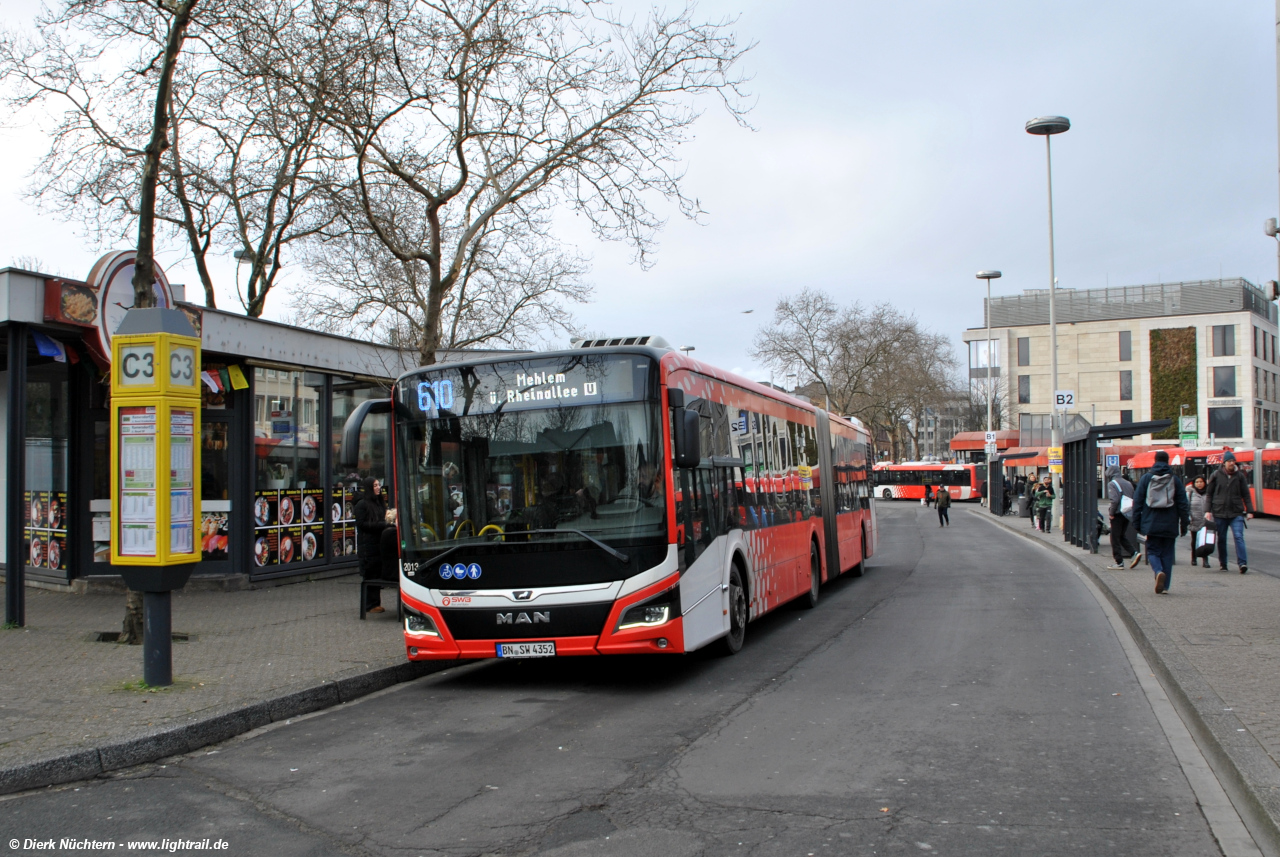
(988, 275)
(1046, 125)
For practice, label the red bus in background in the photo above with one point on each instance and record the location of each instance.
(1260, 466)
(619, 497)
(908, 481)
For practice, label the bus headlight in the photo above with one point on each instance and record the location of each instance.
(419, 623)
(659, 609)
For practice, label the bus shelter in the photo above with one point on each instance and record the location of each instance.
(274, 502)
(1080, 478)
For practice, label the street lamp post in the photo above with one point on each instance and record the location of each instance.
(1047, 126)
(988, 276)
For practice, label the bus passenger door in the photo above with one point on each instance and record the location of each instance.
(701, 556)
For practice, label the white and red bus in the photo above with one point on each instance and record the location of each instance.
(907, 481)
(614, 499)
(1260, 466)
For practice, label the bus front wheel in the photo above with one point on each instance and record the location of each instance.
(886, 494)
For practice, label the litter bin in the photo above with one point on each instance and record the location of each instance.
(1024, 506)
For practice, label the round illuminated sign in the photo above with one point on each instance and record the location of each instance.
(112, 278)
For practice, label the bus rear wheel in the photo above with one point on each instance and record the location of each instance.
(810, 599)
(731, 643)
(861, 567)
(886, 494)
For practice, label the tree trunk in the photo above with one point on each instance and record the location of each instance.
(144, 265)
(131, 630)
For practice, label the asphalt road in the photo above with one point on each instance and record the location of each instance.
(967, 696)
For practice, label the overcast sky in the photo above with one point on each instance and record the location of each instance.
(889, 162)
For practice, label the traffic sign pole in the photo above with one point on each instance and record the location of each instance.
(155, 465)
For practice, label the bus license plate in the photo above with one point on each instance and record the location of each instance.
(526, 650)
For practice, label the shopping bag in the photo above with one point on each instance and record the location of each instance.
(1206, 541)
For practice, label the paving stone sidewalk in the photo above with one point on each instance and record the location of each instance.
(61, 693)
(1217, 636)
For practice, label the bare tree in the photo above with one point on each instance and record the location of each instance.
(471, 116)
(873, 363)
(516, 286)
(236, 163)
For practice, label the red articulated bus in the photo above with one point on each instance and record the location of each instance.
(616, 498)
(908, 481)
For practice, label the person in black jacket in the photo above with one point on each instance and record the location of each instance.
(1230, 505)
(371, 520)
(1163, 522)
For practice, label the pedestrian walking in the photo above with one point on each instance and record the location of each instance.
(1161, 513)
(371, 520)
(1123, 544)
(1230, 505)
(928, 495)
(1198, 500)
(943, 502)
(1043, 502)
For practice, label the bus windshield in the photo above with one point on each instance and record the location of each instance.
(531, 451)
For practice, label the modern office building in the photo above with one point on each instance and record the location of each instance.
(1136, 353)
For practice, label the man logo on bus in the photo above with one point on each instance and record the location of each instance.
(473, 571)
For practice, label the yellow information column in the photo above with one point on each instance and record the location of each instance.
(155, 465)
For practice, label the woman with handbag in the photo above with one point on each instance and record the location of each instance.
(1199, 505)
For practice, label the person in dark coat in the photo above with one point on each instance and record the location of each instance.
(1122, 545)
(943, 502)
(1161, 524)
(1230, 505)
(371, 521)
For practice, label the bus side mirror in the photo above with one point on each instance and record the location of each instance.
(686, 438)
(349, 449)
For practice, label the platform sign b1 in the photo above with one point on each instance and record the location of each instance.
(1113, 461)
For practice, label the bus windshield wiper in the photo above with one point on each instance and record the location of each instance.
(616, 554)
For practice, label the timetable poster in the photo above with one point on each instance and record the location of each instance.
(182, 508)
(137, 479)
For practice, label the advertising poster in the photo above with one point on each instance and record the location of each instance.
(342, 514)
(215, 535)
(290, 546)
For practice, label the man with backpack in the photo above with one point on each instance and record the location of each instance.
(1230, 505)
(943, 502)
(1120, 493)
(1161, 513)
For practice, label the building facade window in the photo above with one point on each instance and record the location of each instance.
(1126, 346)
(1024, 350)
(1024, 389)
(1126, 385)
(1226, 422)
(1224, 381)
(1224, 340)
(1255, 341)
(1126, 417)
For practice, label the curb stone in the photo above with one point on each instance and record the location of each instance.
(1246, 771)
(184, 738)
